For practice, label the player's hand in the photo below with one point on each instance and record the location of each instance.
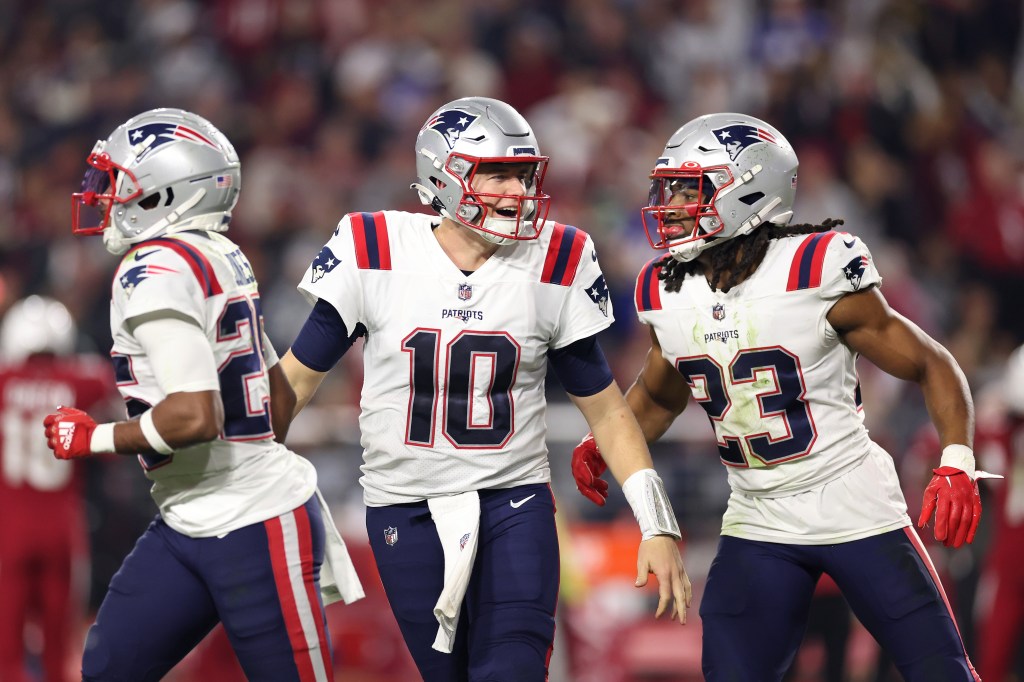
(587, 467)
(954, 498)
(660, 556)
(68, 432)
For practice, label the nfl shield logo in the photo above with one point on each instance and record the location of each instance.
(718, 312)
(465, 292)
(391, 535)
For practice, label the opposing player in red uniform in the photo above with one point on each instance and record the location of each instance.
(43, 540)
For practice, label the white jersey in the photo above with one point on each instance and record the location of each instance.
(244, 476)
(781, 390)
(453, 391)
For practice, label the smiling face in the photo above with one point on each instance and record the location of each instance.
(500, 187)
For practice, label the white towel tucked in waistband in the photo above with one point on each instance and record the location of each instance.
(457, 519)
(338, 579)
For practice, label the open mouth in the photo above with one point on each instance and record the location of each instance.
(507, 212)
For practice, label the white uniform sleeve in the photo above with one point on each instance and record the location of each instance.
(334, 277)
(1013, 382)
(847, 267)
(588, 307)
(178, 351)
(157, 279)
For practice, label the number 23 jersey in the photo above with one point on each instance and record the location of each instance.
(454, 364)
(778, 384)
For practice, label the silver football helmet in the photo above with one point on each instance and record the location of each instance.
(163, 171)
(738, 172)
(450, 148)
(36, 324)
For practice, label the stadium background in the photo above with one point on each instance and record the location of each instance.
(906, 115)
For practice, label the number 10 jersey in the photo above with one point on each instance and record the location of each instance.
(454, 363)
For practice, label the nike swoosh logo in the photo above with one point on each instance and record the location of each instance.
(520, 503)
(139, 255)
(849, 245)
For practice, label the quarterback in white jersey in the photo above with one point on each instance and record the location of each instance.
(761, 323)
(453, 391)
(461, 314)
(242, 533)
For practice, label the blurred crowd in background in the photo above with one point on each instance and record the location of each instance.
(907, 117)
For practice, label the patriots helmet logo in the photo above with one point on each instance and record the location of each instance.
(324, 262)
(598, 293)
(854, 271)
(161, 133)
(451, 124)
(739, 136)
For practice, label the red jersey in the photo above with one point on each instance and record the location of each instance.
(32, 480)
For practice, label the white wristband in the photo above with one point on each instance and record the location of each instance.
(645, 493)
(102, 439)
(153, 436)
(959, 456)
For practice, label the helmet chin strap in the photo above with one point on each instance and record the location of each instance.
(117, 243)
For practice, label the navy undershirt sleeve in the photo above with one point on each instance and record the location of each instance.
(581, 367)
(324, 338)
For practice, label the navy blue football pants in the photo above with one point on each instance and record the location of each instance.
(755, 605)
(261, 581)
(507, 624)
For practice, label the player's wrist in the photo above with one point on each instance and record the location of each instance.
(153, 437)
(102, 438)
(960, 457)
(645, 492)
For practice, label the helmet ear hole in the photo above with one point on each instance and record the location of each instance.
(753, 198)
(150, 202)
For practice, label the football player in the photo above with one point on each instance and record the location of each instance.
(241, 532)
(461, 311)
(44, 544)
(761, 322)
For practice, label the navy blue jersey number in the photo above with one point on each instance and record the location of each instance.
(783, 397)
(244, 388)
(473, 360)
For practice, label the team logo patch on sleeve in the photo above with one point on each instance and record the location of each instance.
(132, 277)
(598, 293)
(324, 262)
(854, 271)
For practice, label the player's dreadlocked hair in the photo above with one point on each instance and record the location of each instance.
(738, 257)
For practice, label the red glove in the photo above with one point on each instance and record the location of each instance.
(69, 432)
(958, 507)
(587, 467)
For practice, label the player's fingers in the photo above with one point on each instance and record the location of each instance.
(975, 515)
(601, 486)
(679, 601)
(927, 507)
(942, 516)
(964, 522)
(592, 495)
